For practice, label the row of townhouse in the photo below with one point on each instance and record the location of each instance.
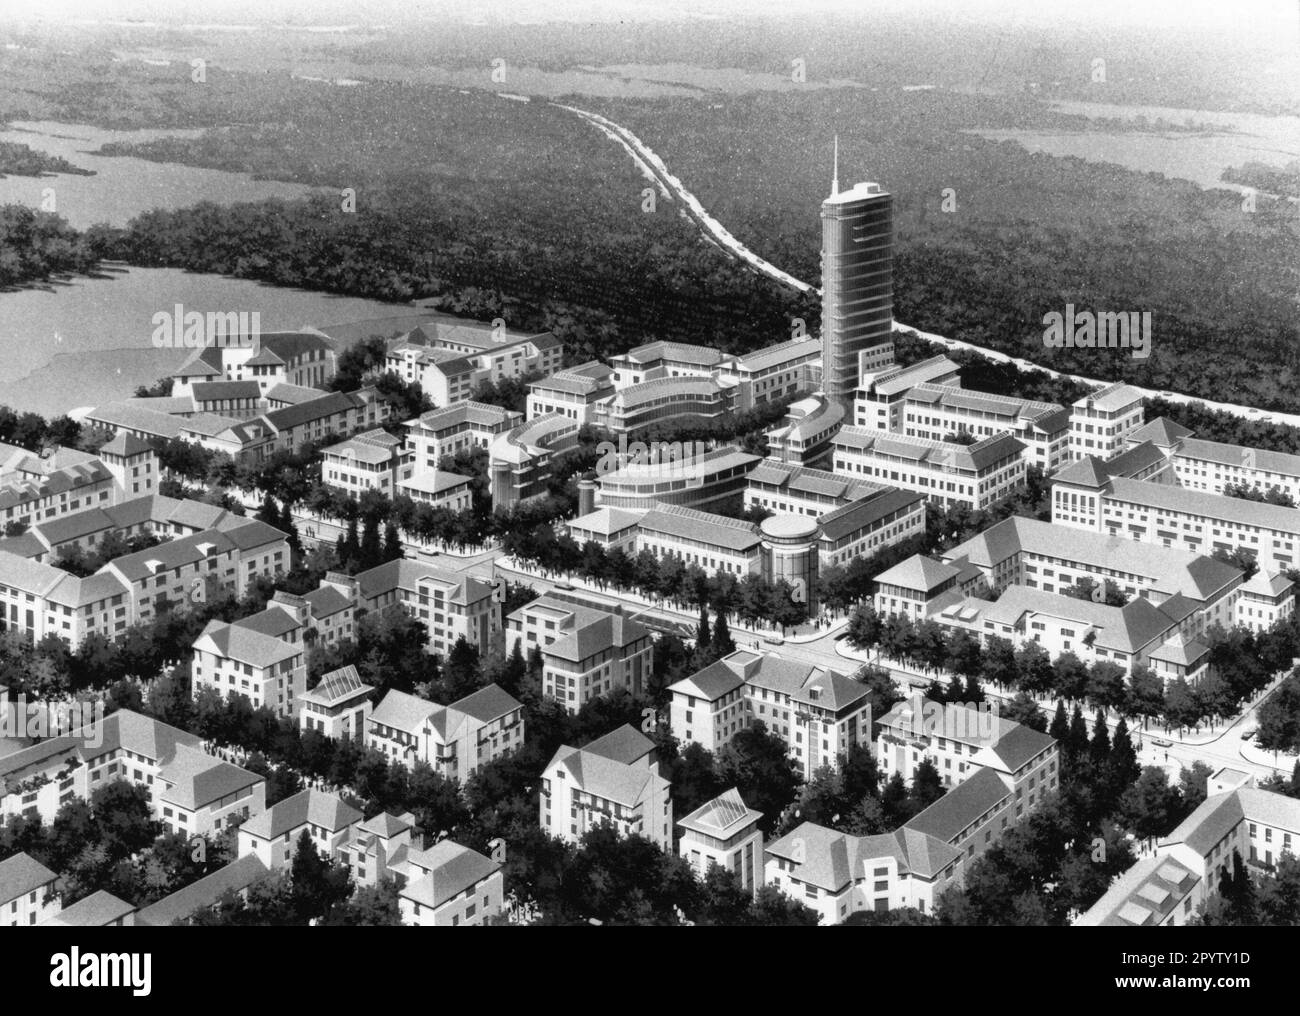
(999, 779)
(38, 599)
(36, 488)
(587, 652)
(613, 781)
(455, 740)
(450, 359)
(976, 475)
(190, 792)
(819, 713)
(1237, 821)
(289, 425)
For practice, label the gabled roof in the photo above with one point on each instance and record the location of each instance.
(625, 744)
(962, 805)
(180, 905)
(489, 703)
(329, 811)
(97, 910)
(403, 711)
(195, 779)
(918, 572)
(606, 777)
(244, 645)
(1160, 431)
(453, 870)
(21, 874)
(711, 683)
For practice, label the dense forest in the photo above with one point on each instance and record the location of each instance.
(21, 160)
(37, 245)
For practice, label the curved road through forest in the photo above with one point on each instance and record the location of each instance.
(656, 170)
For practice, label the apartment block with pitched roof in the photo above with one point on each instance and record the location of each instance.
(613, 781)
(819, 713)
(272, 836)
(1101, 422)
(370, 460)
(234, 659)
(449, 886)
(838, 874)
(455, 740)
(198, 795)
(587, 652)
(27, 896)
(1166, 888)
(452, 605)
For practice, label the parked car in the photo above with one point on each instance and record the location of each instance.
(1249, 733)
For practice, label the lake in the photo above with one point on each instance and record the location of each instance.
(89, 341)
(1231, 139)
(123, 187)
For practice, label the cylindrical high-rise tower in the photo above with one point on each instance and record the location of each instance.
(857, 287)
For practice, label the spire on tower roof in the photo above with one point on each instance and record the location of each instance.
(835, 171)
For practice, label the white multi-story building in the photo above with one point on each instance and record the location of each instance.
(879, 401)
(463, 426)
(613, 781)
(27, 895)
(234, 659)
(837, 874)
(586, 652)
(451, 604)
(937, 411)
(338, 706)
(449, 886)
(800, 490)
(1166, 887)
(725, 832)
(949, 474)
(455, 740)
(574, 392)
(272, 836)
(198, 795)
(1100, 423)
(450, 359)
(373, 460)
(819, 713)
